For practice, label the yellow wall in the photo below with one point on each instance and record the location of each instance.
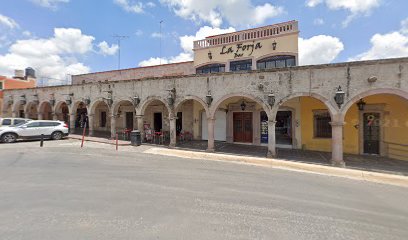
(395, 126)
(309, 142)
(285, 44)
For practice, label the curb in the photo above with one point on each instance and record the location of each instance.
(361, 175)
(111, 142)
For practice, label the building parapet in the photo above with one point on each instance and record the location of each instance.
(251, 34)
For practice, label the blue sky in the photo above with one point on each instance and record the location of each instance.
(331, 30)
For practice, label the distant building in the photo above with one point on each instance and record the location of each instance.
(22, 79)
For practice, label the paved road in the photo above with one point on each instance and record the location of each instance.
(62, 192)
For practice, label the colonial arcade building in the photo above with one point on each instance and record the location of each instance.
(244, 88)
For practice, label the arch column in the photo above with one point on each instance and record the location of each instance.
(90, 124)
(173, 133)
(271, 139)
(71, 121)
(40, 116)
(337, 143)
(139, 125)
(14, 114)
(113, 126)
(211, 124)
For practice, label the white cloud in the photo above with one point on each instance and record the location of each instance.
(139, 32)
(8, 22)
(156, 35)
(53, 58)
(319, 49)
(355, 7)
(318, 21)
(134, 6)
(186, 44)
(52, 4)
(389, 45)
(236, 12)
(105, 49)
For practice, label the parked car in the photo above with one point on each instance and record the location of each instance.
(55, 130)
(7, 122)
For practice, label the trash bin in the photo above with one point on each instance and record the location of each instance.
(135, 138)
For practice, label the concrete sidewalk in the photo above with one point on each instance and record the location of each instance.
(100, 140)
(361, 175)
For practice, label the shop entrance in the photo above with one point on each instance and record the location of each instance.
(129, 120)
(371, 133)
(283, 129)
(242, 127)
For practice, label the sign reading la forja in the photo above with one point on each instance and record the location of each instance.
(240, 49)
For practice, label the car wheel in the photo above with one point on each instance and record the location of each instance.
(56, 136)
(9, 138)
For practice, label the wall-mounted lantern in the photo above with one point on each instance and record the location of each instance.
(171, 97)
(271, 99)
(209, 55)
(136, 101)
(52, 100)
(87, 101)
(23, 100)
(361, 104)
(274, 45)
(243, 105)
(209, 99)
(339, 97)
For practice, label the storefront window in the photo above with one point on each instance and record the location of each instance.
(276, 62)
(244, 65)
(212, 68)
(322, 127)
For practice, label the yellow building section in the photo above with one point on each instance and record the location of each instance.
(393, 112)
(257, 49)
(308, 106)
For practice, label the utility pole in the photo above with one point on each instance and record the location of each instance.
(160, 57)
(119, 39)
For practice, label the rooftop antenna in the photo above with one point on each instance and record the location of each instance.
(119, 39)
(160, 58)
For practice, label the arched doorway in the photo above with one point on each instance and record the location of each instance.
(81, 119)
(377, 125)
(31, 110)
(101, 124)
(125, 118)
(155, 121)
(45, 111)
(191, 123)
(62, 112)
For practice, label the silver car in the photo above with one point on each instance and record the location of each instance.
(35, 129)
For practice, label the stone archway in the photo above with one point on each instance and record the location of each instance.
(320, 124)
(102, 119)
(124, 117)
(191, 113)
(61, 112)
(377, 123)
(243, 114)
(45, 111)
(157, 116)
(31, 110)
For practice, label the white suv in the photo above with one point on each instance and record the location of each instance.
(33, 130)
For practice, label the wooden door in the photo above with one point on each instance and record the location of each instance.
(242, 127)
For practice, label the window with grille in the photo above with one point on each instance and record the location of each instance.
(211, 68)
(322, 127)
(276, 62)
(244, 65)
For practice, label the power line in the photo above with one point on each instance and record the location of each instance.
(119, 39)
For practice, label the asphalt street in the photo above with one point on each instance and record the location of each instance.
(64, 192)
